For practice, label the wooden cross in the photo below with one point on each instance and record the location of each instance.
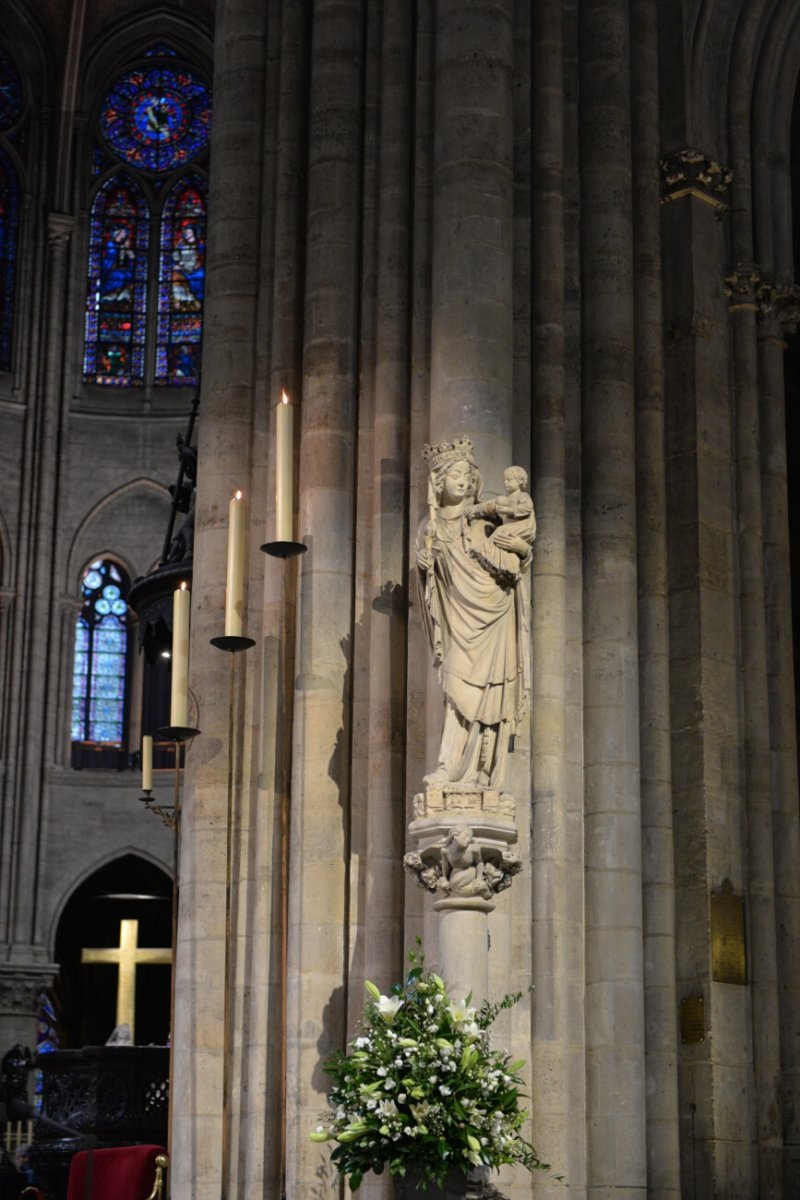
(127, 956)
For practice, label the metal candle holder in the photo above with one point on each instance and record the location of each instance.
(284, 549)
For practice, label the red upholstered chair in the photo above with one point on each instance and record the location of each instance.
(121, 1173)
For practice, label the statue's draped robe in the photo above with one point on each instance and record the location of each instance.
(478, 628)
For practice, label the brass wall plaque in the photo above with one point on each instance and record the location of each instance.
(693, 1020)
(728, 959)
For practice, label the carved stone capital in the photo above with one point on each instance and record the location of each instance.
(21, 986)
(743, 287)
(780, 300)
(59, 229)
(689, 172)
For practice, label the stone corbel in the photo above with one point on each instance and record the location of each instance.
(485, 872)
(463, 834)
(689, 172)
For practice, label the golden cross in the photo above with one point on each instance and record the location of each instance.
(128, 955)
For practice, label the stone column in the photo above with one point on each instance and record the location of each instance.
(26, 969)
(226, 425)
(44, 432)
(383, 949)
(557, 1069)
(782, 719)
(472, 317)
(472, 308)
(762, 948)
(707, 787)
(614, 953)
(318, 951)
(663, 1153)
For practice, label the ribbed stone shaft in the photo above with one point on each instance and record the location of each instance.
(615, 1094)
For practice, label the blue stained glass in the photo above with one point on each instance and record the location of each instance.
(181, 282)
(116, 301)
(99, 674)
(119, 608)
(106, 731)
(157, 118)
(109, 687)
(105, 663)
(109, 638)
(9, 228)
(160, 50)
(11, 93)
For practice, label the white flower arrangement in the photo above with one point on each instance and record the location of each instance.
(421, 1086)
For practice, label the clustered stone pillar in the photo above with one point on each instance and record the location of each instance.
(318, 952)
(471, 343)
(198, 1122)
(615, 1075)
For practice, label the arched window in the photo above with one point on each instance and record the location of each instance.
(9, 226)
(100, 672)
(181, 281)
(155, 119)
(11, 109)
(116, 303)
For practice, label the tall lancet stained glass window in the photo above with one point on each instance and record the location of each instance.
(181, 282)
(9, 226)
(101, 656)
(116, 302)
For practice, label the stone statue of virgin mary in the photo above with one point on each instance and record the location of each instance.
(472, 559)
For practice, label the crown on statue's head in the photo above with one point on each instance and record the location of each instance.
(461, 450)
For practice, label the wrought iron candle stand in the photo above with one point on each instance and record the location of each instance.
(232, 645)
(170, 814)
(285, 550)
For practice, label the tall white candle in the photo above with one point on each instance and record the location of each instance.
(147, 763)
(234, 586)
(179, 708)
(284, 470)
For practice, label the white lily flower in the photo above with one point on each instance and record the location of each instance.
(459, 1011)
(388, 1007)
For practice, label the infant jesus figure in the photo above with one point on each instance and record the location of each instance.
(507, 550)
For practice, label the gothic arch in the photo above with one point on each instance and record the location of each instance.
(24, 38)
(125, 520)
(131, 36)
(91, 868)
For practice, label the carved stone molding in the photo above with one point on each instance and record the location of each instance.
(462, 798)
(21, 986)
(689, 172)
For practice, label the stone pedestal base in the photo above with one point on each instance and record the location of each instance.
(463, 834)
